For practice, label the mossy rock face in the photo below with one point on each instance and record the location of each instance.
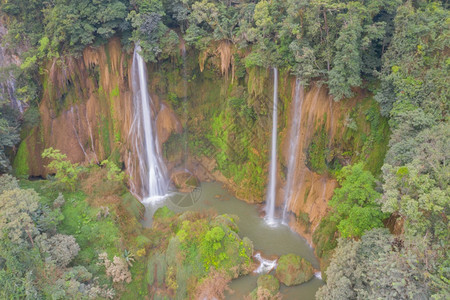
(226, 220)
(293, 270)
(20, 164)
(268, 282)
(268, 287)
(163, 213)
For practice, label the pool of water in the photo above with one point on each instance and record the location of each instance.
(269, 239)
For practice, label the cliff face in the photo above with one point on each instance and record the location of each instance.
(213, 118)
(311, 190)
(86, 111)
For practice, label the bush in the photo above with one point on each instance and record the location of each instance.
(116, 269)
(114, 173)
(16, 209)
(61, 249)
(354, 203)
(66, 172)
(8, 182)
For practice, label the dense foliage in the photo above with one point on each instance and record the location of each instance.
(197, 251)
(398, 50)
(414, 94)
(338, 41)
(354, 203)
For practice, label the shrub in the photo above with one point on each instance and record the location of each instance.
(59, 202)
(16, 208)
(114, 173)
(116, 269)
(61, 249)
(213, 286)
(66, 172)
(8, 182)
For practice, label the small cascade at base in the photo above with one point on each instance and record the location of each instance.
(152, 171)
(294, 142)
(318, 275)
(265, 265)
(271, 193)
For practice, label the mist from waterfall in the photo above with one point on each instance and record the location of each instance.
(271, 192)
(152, 171)
(294, 141)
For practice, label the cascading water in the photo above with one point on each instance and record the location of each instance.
(265, 265)
(294, 142)
(271, 193)
(152, 171)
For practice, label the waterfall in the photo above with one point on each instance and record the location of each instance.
(271, 193)
(265, 265)
(152, 171)
(294, 141)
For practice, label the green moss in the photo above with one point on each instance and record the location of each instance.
(367, 135)
(266, 282)
(108, 58)
(20, 164)
(317, 152)
(104, 134)
(293, 269)
(115, 92)
(324, 237)
(303, 218)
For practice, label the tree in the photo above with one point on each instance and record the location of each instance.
(66, 172)
(61, 248)
(378, 266)
(75, 24)
(9, 137)
(354, 203)
(116, 269)
(346, 72)
(7, 183)
(16, 210)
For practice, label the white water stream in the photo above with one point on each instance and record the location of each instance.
(152, 171)
(271, 193)
(294, 142)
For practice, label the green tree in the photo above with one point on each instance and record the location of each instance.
(354, 203)
(75, 24)
(346, 71)
(378, 266)
(9, 137)
(66, 173)
(17, 208)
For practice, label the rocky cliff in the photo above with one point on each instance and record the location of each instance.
(213, 118)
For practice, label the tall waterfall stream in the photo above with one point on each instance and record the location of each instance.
(152, 171)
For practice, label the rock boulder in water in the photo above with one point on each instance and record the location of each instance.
(293, 270)
(268, 287)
